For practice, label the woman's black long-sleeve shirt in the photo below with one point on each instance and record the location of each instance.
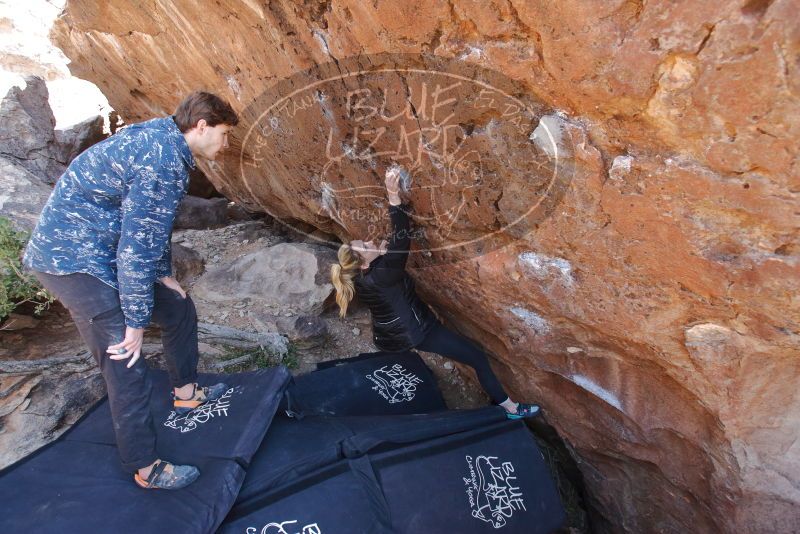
(400, 320)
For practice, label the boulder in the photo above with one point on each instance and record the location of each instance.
(290, 277)
(201, 213)
(22, 194)
(27, 130)
(36, 408)
(77, 138)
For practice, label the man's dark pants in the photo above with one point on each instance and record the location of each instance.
(95, 308)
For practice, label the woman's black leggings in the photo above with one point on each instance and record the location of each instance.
(442, 341)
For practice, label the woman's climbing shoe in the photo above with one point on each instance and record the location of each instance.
(165, 475)
(199, 397)
(524, 411)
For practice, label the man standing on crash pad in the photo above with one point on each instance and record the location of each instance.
(102, 247)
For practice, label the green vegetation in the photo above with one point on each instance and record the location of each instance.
(16, 286)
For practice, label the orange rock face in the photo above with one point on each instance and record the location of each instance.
(625, 241)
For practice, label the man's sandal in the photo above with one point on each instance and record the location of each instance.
(524, 411)
(199, 397)
(165, 475)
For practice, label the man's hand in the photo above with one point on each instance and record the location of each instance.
(132, 344)
(173, 284)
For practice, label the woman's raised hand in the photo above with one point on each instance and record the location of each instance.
(392, 180)
(393, 185)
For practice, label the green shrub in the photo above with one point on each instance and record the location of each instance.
(16, 286)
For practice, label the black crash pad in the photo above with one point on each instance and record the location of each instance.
(446, 471)
(76, 484)
(492, 479)
(489, 478)
(369, 384)
(333, 499)
(294, 448)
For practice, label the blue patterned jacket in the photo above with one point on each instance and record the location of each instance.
(111, 213)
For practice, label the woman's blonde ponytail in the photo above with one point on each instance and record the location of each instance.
(342, 275)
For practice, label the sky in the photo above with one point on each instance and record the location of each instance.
(26, 49)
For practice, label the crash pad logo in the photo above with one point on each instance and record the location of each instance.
(287, 527)
(491, 490)
(190, 421)
(395, 383)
